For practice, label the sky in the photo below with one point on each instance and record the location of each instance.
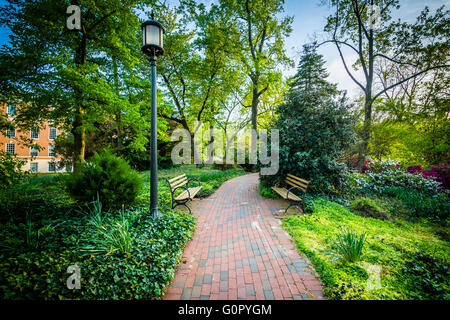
(309, 19)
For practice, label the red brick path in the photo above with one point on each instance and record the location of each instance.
(239, 251)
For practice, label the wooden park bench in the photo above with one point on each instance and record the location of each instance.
(287, 194)
(182, 182)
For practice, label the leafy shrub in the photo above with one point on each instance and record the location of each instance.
(350, 245)
(420, 205)
(380, 166)
(421, 196)
(267, 193)
(10, 170)
(37, 196)
(367, 207)
(165, 162)
(107, 176)
(40, 273)
(379, 182)
(427, 277)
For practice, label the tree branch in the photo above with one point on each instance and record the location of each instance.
(408, 78)
(348, 71)
(101, 20)
(393, 60)
(338, 41)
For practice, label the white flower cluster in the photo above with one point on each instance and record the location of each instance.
(394, 178)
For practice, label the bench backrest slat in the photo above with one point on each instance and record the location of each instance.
(177, 178)
(178, 181)
(296, 182)
(306, 182)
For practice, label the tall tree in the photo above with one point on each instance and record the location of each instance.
(196, 66)
(420, 105)
(260, 40)
(59, 74)
(366, 28)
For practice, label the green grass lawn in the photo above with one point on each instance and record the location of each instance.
(400, 260)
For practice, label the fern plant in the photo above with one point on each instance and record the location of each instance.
(350, 245)
(108, 235)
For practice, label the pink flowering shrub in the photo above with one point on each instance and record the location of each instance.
(439, 173)
(386, 170)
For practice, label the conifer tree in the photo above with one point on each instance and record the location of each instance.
(315, 126)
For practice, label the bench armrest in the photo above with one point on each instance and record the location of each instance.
(289, 190)
(182, 187)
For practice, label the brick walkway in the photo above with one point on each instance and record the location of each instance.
(239, 251)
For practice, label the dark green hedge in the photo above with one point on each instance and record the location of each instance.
(38, 270)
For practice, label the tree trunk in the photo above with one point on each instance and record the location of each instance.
(365, 135)
(118, 113)
(78, 129)
(367, 105)
(210, 149)
(79, 135)
(255, 102)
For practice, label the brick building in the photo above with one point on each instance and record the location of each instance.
(43, 160)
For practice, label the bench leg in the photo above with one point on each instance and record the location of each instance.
(294, 204)
(183, 204)
(290, 205)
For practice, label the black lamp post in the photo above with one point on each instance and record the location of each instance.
(153, 47)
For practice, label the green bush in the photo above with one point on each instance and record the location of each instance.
(394, 178)
(37, 196)
(165, 162)
(108, 177)
(418, 204)
(437, 206)
(267, 193)
(419, 197)
(39, 272)
(369, 208)
(10, 170)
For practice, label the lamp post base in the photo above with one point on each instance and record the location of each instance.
(155, 213)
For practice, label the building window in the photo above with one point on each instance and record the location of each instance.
(35, 133)
(51, 167)
(51, 151)
(12, 110)
(34, 152)
(11, 132)
(11, 148)
(33, 167)
(52, 134)
(69, 168)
